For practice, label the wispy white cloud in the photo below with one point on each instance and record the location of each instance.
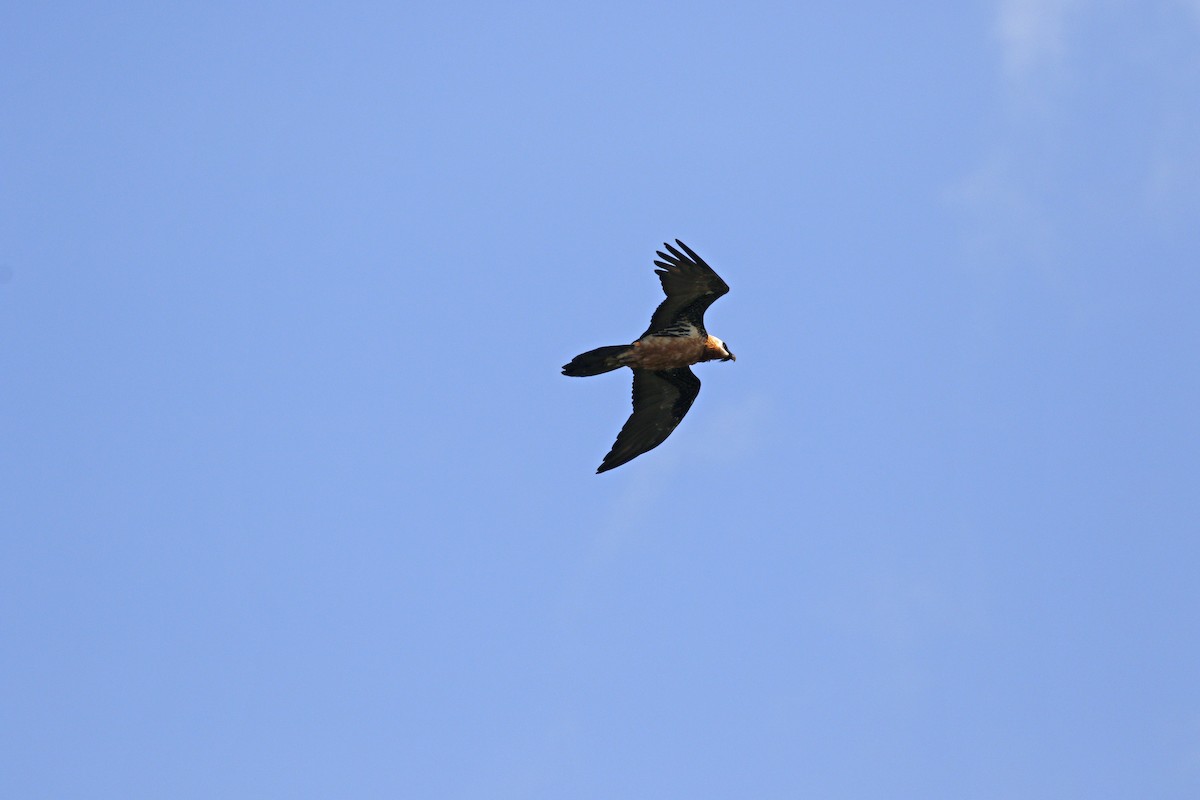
(898, 604)
(630, 505)
(1009, 223)
(1172, 185)
(1194, 5)
(1053, 56)
(725, 435)
(1033, 33)
(1000, 196)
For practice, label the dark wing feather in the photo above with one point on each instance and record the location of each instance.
(690, 284)
(660, 399)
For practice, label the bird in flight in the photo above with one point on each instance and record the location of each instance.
(663, 386)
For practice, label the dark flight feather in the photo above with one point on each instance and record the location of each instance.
(660, 400)
(690, 285)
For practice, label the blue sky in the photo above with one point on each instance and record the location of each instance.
(296, 503)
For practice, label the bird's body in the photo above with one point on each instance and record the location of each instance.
(667, 352)
(663, 385)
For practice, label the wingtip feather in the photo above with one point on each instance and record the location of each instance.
(691, 253)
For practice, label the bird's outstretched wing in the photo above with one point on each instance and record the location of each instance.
(660, 399)
(691, 287)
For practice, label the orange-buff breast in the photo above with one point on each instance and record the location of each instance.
(666, 352)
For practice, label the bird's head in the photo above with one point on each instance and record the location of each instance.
(716, 350)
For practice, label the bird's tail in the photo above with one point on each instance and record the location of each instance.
(595, 362)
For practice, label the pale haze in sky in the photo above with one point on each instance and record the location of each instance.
(295, 503)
